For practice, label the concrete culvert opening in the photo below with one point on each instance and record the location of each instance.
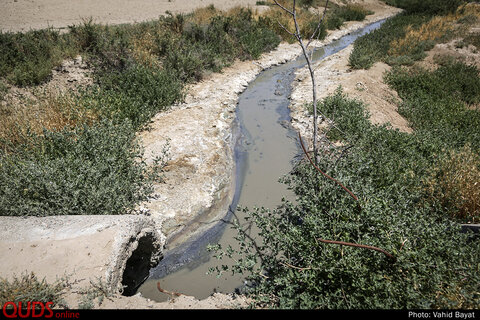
(138, 266)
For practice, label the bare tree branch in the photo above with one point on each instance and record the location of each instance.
(286, 30)
(358, 246)
(317, 29)
(278, 4)
(308, 58)
(323, 173)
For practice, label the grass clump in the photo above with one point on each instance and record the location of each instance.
(454, 184)
(38, 113)
(28, 288)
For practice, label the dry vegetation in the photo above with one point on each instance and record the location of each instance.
(455, 183)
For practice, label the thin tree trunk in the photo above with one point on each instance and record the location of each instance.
(314, 96)
(308, 58)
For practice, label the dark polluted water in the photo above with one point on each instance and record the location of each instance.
(266, 150)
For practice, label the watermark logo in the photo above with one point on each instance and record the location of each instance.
(30, 309)
(35, 309)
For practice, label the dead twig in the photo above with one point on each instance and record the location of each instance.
(317, 29)
(168, 292)
(323, 173)
(358, 246)
(308, 58)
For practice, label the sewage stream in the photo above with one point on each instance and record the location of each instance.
(265, 152)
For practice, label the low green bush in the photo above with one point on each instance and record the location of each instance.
(91, 170)
(28, 288)
(437, 101)
(352, 12)
(288, 265)
(341, 14)
(374, 46)
(137, 94)
(28, 58)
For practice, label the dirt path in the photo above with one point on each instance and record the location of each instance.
(23, 15)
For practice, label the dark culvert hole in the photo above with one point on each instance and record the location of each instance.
(139, 264)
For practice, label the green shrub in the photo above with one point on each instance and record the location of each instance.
(436, 101)
(28, 288)
(28, 58)
(107, 47)
(90, 170)
(333, 22)
(375, 45)
(288, 266)
(257, 38)
(137, 94)
(340, 14)
(226, 38)
(352, 12)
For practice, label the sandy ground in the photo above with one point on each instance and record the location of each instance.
(23, 15)
(199, 177)
(365, 85)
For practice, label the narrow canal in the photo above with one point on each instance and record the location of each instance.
(265, 151)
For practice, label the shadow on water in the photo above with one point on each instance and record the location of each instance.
(265, 151)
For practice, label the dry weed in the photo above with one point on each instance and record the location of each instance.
(433, 30)
(143, 51)
(22, 118)
(455, 183)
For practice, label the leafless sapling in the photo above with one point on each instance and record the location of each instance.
(308, 57)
